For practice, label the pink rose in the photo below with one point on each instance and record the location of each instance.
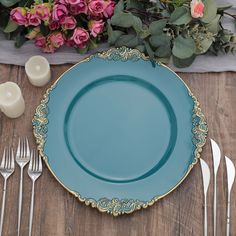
(68, 22)
(18, 15)
(49, 48)
(96, 7)
(59, 11)
(80, 37)
(70, 42)
(43, 11)
(95, 27)
(40, 41)
(197, 8)
(64, 2)
(33, 19)
(73, 2)
(79, 8)
(56, 39)
(109, 8)
(53, 25)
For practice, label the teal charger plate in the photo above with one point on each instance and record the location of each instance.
(119, 133)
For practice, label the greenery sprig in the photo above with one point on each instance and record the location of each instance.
(166, 29)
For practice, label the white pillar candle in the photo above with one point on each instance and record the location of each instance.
(12, 103)
(38, 70)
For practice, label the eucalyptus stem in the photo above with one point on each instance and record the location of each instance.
(228, 14)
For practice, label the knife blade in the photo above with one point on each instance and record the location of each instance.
(230, 170)
(206, 175)
(216, 154)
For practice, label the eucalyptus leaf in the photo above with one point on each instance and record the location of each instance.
(156, 27)
(82, 50)
(163, 51)
(149, 50)
(9, 3)
(128, 40)
(20, 39)
(183, 47)
(133, 4)
(160, 40)
(119, 7)
(210, 11)
(180, 16)
(11, 26)
(214, 26)
(204, 45)
(181, 63)
(113, 35)
(141, 48)
(127, 20)
(221, 8)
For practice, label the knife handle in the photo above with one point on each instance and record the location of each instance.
(228, 216)
(205, 215)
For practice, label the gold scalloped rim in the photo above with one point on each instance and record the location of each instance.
(119, 206)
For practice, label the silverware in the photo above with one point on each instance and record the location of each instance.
(6, 169)
(216, 161)
(206, 181)
(230, 168)
(34, 171)
(22, 158)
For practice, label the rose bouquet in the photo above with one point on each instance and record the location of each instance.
(178, 30)
(76, 23)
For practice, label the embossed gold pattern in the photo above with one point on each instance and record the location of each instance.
(119, 206)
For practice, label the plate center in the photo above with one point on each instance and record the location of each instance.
(120, 128)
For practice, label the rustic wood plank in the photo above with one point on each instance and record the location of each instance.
(180, 213)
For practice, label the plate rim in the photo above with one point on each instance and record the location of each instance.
(117, 206)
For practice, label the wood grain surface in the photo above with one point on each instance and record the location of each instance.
(58, 213)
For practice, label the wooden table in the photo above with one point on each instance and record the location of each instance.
(58, 213)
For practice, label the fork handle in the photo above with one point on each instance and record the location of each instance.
(3, 205)
(20, 201)
(205, 216)
(31, 209)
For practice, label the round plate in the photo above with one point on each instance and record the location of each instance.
(118, 132)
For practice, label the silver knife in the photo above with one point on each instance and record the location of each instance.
(206, 181)
(230, 168)
(216, 161)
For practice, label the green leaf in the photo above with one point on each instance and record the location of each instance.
(44, 30)
(221, 8)
(156, 27)
(162, 45)
(210, 11)
(204, 45)
(4, 16)
(148, 49)
(119, 7)
(8, 3)
(180, 16)
(92, 44)
(214, 26)
(181, 63)
(183, 47)
(20, 39)
(133, 4)
(82, 50)
(113, 35)
(144, 33)
(141, 48)
(159, 40)
(128, 40)
(11, 26)
(127, 20)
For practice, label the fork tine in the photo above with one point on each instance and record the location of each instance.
(7, 165)
(18, 152)
(31, 161)
(3, 158)
(40, 162)
(35, 161)
(27, 147)
(12, 159)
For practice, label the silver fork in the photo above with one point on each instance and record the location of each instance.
(34, 171)
(22, 158)
(6, 169)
